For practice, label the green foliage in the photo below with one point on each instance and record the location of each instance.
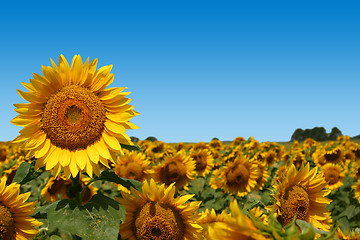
(316, 133)
(97, 220)
(345, 209)
(26, 172)
(110, 176)
(151, 138)
(134, 147)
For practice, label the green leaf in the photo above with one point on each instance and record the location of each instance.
(55, 237)
(21, 172)
(99, 219)
(110, 176)
(307, 230)
(134, 147)
(349, 212)
(26, 172)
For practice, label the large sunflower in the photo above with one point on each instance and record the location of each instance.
(15, 220)
(156, 214)
(302, 193)
(72, 122)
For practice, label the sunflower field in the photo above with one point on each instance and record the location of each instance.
(73, 173)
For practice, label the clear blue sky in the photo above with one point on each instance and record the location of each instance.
(199, 69)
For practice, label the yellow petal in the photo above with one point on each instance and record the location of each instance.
(31, 97)
(22, 120)
(65, 157)
(73, 167)
(44, 149)
(81, 158)
(35, 140)
(111, 141)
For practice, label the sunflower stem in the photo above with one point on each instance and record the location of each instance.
(76, 189)
(84, 188)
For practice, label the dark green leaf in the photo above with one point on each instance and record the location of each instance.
(110, 176)
(134, 147)
(99, 219)
(26, 172)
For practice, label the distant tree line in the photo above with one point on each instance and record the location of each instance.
(316, 133)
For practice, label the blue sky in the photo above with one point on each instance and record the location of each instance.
(199, 69)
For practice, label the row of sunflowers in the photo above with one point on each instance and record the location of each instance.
(73, 173)
(241, 190)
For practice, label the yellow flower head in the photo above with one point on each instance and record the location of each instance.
(16, 223)
(238, 177)
(58, 188)
(178, 169)
(73, 121)
(133, 166)
(334, 175)
(204, 161)
(208, 219)
(302, 193)
(356, 188)
(236, 226)
(154, 213)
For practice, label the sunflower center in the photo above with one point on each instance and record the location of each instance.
(73, 118)
(333, 157)
(332, 176)
(295, 201)
(133, 170)
(3, 154)
(238, 176)
(7, 223)
(174, 171)
(58, 186)
(156, 221)
(201, 162)
(73, 114)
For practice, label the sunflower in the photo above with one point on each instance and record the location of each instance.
(236, 226)
(215, 144)
(262, 174)
(334, 175)
(238, 141)
(133, 165)
(355, 170)
(58, 188)
(238, 177)
(208, 219)
(204, 161)
(356, 188)
(351, 236)
(259, 214)
(72, 122)
(3, 154)
(154, 213)
(298, 159)
(309, 142)
(15, 220)
(178, 169)
(270, 157)
(302, 193)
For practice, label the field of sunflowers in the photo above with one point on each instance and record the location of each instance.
(73, 173)
(240, 190)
